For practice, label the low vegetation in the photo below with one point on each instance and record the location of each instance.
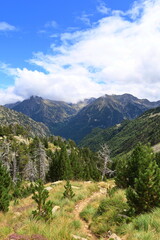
(19, 219)
(46, 182)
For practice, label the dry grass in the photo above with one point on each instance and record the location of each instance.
(18, 219)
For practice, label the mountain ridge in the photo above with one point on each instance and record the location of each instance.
(75, 121)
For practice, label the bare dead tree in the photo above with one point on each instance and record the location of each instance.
(104, 156)
(41, 160)
(30, 171)
(5, 155)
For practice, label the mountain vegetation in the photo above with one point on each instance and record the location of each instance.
(123, 137)
(112, 193)
(50, 158)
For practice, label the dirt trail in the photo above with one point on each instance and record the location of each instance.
(80, 206)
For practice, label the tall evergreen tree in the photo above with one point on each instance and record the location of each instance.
(128, 169)
(145, 194)
(5, 184)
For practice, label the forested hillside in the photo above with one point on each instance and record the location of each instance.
(50, 158)
(125, 136)
(11, 117)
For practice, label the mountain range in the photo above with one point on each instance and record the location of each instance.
(75, 121)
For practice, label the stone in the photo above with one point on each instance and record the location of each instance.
(78, 237)
(17, 214)
(114, 237)
(74, 187)
(56, 183)
(55, 209)
(103, 190)
(48, 188)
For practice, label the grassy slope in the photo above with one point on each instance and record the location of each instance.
(142, 227)
(18, 219)
(123, 137)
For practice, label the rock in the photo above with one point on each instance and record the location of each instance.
(114, 237)
(74, 187)
(103, 190)
(55, 209)
(78, 237)
(48, 188)
(17, 214)
(56, 183)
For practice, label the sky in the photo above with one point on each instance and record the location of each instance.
(70, 50)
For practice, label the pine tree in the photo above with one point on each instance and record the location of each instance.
(145, 195)
(40, 195)
(127, 169)
(68, 193)
(5, 184)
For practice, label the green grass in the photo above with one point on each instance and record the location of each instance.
(19, 218)
(102, 214)
(106, 214)
(144, 227)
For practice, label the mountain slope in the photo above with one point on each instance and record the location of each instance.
(75, 121)
(51, 113)
(123, 137)
(104, 112)
(8, 116)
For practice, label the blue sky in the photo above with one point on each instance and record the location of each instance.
(42, 44)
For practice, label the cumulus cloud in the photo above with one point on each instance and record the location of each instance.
(4, 26)
(120, 53)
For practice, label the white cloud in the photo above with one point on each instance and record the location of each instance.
(85, 18)
(102, 8)
(4, 26)
(115, 56)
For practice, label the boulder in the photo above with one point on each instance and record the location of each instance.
(74, 187)
(56, 183)
(55, 209)
(78, 237)
(48, 188)
(114, 237)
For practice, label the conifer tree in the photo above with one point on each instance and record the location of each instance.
(5, 184)
(127, 169)
(145, 194)
(44, 208)
(68, 193)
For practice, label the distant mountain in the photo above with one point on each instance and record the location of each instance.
(104, 112)
(123, 137)
(8, 116)
(51, 113)
(75, 121)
